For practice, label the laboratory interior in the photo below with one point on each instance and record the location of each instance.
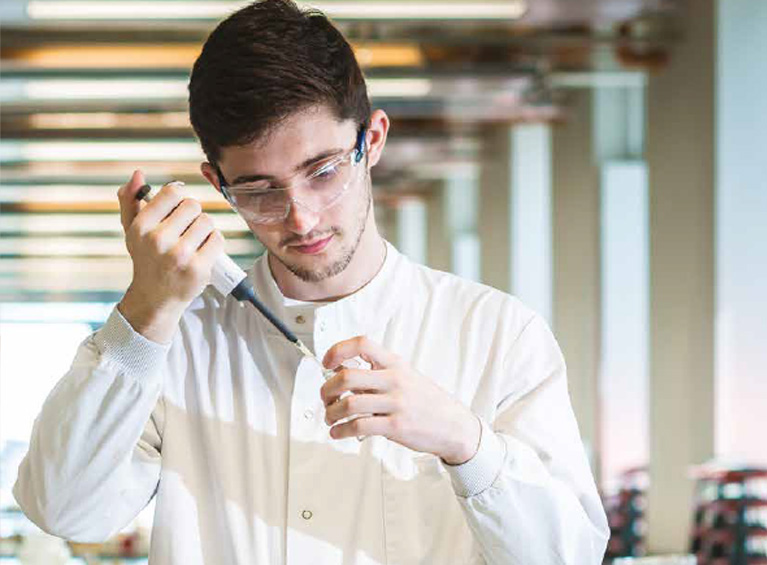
(605, 161)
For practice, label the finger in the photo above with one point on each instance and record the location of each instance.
(161, 206)
(181, 218)
(370, 351)
(363, 427)
(359, 404)
(211, 249)
(126, 196)
(197, 232)
(352, 380)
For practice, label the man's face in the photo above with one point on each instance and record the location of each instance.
(313, 245)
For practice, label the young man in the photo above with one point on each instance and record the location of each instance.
(472, 452)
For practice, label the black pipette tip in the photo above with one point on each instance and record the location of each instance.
(244, 292)
(143, 191)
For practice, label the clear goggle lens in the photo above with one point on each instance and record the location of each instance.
(259, 202)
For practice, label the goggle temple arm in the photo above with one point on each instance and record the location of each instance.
(222, 186)
(360, 145)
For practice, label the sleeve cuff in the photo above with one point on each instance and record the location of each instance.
(119, 343)
(479, 472)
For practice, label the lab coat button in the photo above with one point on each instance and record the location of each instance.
(306, 514)
(322, 326)
(300, 319)
(308, 414)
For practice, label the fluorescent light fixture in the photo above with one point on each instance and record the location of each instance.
(104, 89)
(379, 10)
(138, 10)
(604, 79)
(26, 151)
(57, 90)
(202, 10)
(399, 87)
(178, 56)
(77, 193)
(90, 246)
(93, 223)
(106, 56)
(109, 120)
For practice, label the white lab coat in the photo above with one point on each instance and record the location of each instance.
(225, 427)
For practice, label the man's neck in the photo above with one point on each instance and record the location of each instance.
(363, 267)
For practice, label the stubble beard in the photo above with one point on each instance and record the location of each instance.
(347, 253)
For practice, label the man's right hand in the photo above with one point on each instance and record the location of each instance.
(173, 246)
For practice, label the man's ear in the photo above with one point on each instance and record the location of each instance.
(376, 136)
(209, 172)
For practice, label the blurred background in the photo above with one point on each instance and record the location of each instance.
(604, 160)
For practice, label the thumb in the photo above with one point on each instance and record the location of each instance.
(126, 195)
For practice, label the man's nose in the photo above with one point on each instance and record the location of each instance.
(301, 219)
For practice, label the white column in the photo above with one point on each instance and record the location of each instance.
(437, 232)
(531, 269)
(461, 193)
(515, 203)
(411, 228)
(741, 243)
(576, 299)
(680, 155)
(495, 206)
(452, 242)
(619, 115)
(625, 280)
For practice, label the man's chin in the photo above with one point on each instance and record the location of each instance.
(315, 268)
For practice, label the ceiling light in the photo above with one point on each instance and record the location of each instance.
(109, 120)
(202, 10)
(128, 89)
(25, 151)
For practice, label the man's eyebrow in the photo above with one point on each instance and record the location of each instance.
(255, 177)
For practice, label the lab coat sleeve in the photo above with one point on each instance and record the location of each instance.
(94, 456)
(528, 494)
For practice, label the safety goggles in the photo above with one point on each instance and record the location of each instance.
(262, 202)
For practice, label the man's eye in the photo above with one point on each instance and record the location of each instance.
(256, 187)
(326, 172)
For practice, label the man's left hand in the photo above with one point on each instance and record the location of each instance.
(398, 403)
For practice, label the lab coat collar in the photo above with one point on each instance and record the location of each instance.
(361, 312)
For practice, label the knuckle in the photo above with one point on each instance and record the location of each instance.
(195, 270)
(216, 239)
(171, 190)
(202, 221)
(178, 257)
(218, 242)
(351, 404)
(345, 377)
(192, 205)
(206, 223)
(155, 239)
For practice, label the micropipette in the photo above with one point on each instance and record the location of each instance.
(228, 278)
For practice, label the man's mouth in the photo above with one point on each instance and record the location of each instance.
(312, 247)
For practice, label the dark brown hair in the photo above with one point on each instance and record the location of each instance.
(262, 64)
